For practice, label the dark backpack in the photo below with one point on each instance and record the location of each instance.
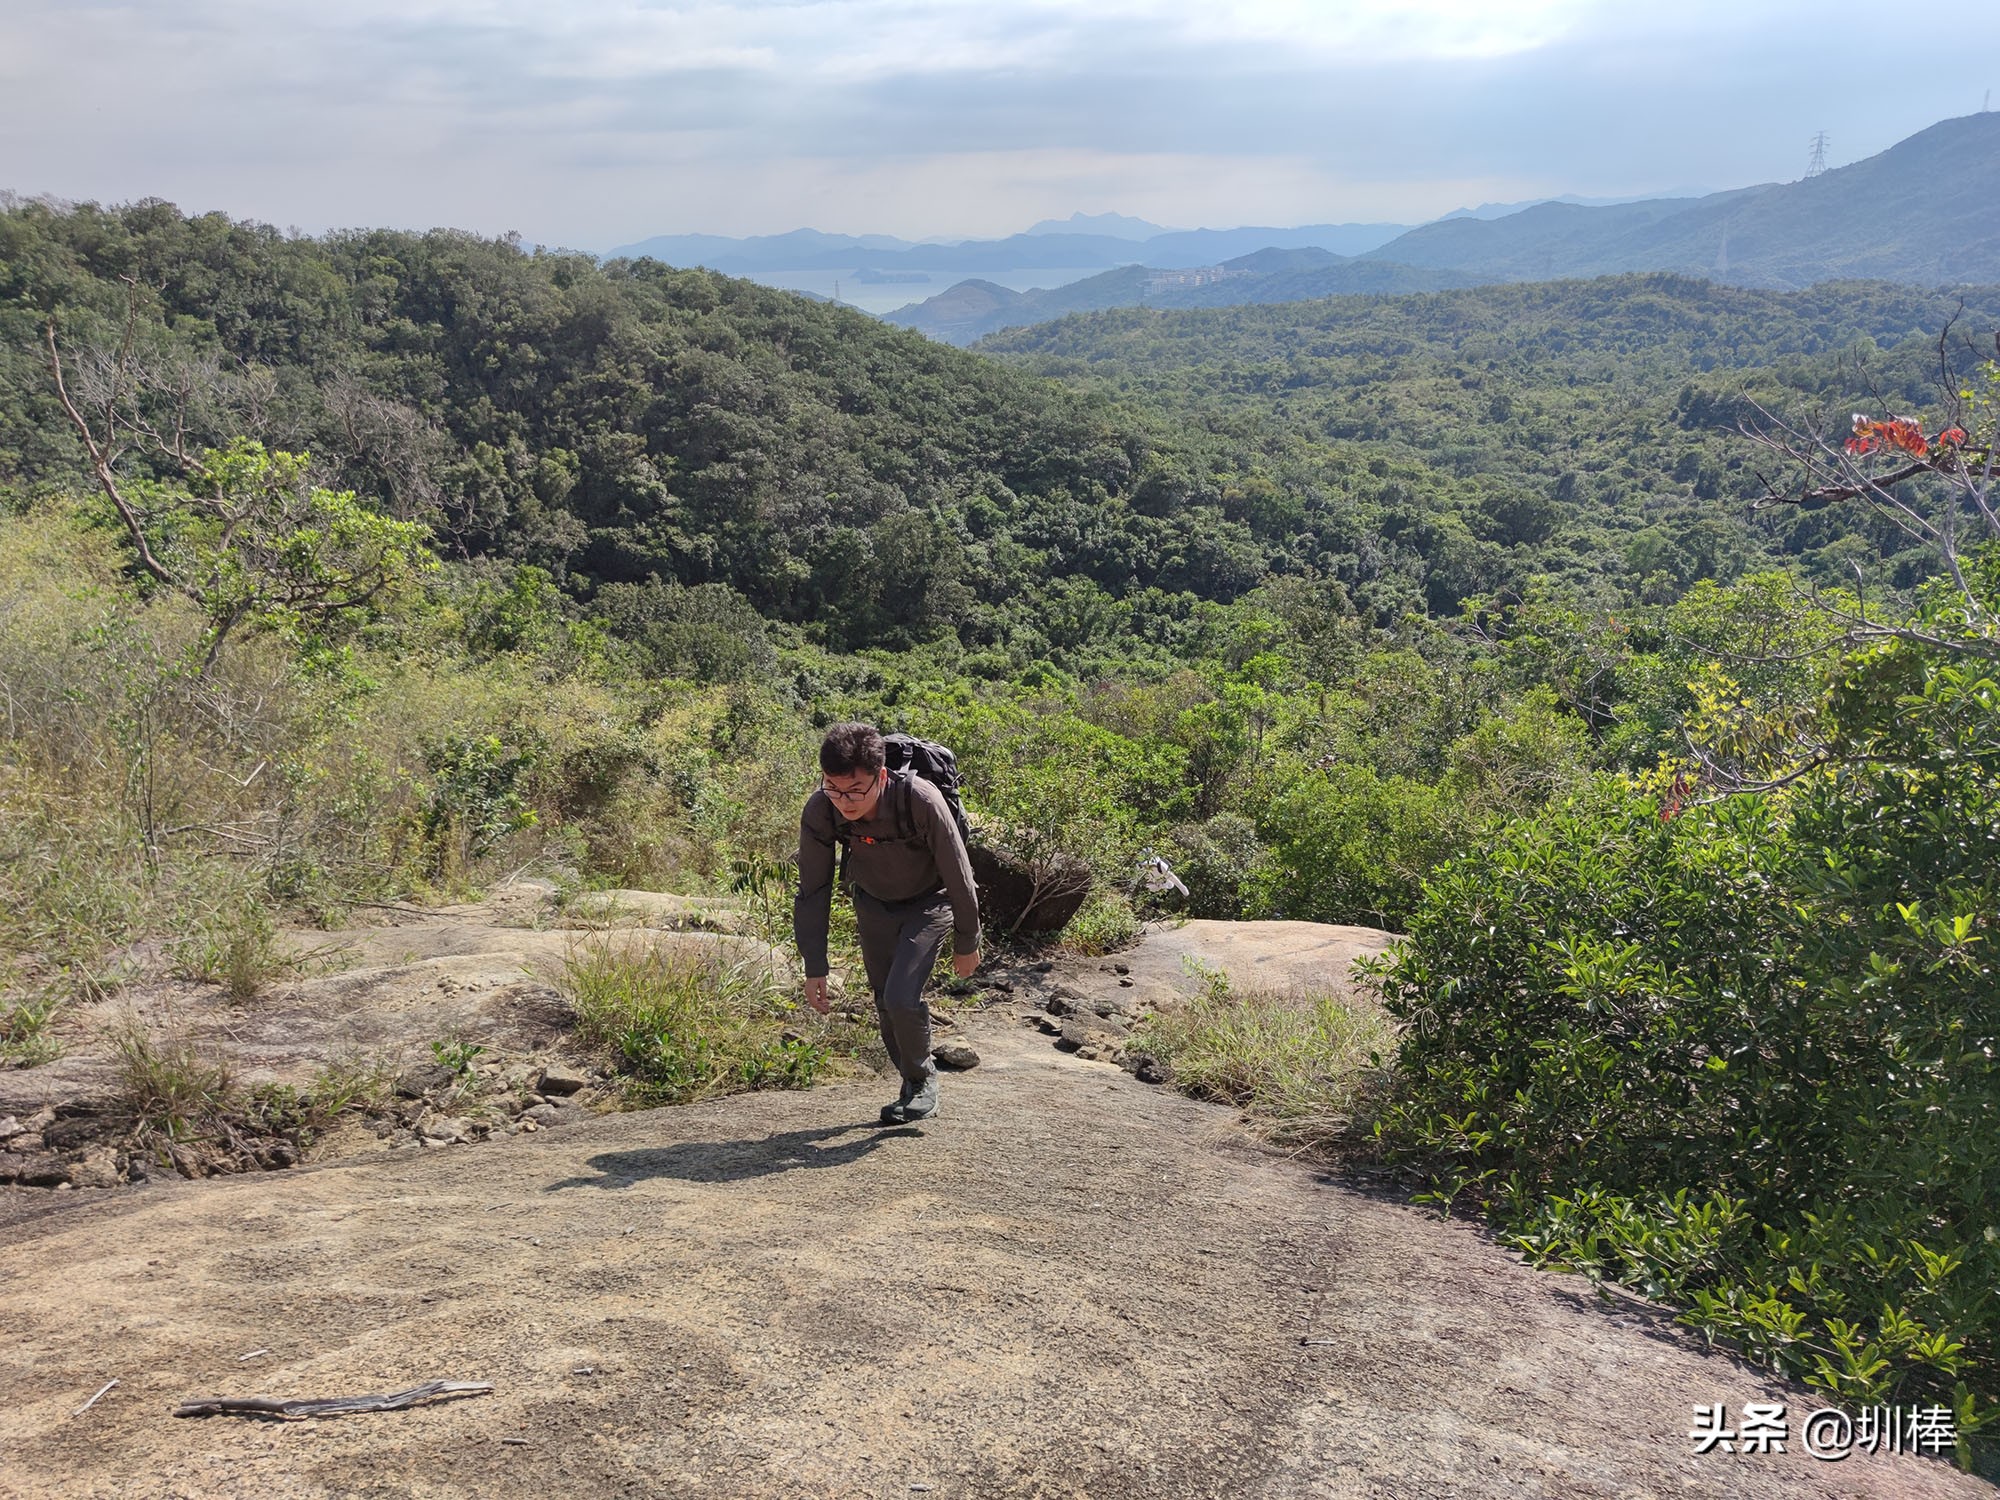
(906, 756)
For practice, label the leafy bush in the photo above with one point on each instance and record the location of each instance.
(1746, 1055)
(1348, 845)
(1216, 861)
(1104, 924)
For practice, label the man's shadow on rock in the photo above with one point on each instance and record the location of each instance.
(735, 1161)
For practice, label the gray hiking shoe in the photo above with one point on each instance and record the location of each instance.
(922, 1104)
(892, 1114)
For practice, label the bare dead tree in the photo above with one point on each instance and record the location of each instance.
(254, 507)
(97, 397)
(1937, 490)
(396, 443)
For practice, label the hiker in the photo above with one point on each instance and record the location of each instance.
(906, 866)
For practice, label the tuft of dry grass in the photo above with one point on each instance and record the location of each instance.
(175, 1089)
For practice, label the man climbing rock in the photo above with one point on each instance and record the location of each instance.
(906, 866)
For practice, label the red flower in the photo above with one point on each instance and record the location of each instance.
(1951, 437)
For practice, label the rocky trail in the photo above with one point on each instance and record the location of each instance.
(1069, 1283)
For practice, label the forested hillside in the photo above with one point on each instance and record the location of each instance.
(1580, 432)
(618, 424)
(407, 561)
(975, 308)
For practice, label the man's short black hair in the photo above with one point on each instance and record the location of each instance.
(848, 748)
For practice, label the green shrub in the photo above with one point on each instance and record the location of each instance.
(1745, 1055)
(1350, 846)
(683, 1024)
(1217, 861)
(231, 941)
(1104, 924)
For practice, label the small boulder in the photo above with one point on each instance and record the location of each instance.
(560, 1078)
(43, 1169)
(541, 1114)
(9, 1127)
(1149, 1069)
(1020, 901)
(416, 1082)
(441, 1128)
(955, 1054)
(96, 1168)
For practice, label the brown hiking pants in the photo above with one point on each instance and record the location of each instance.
(899, 948)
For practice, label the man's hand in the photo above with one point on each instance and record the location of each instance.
(962, 964)
(816, 994)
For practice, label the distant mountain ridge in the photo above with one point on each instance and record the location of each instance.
(1118, 226)
(1925, 212)
(1050, 245)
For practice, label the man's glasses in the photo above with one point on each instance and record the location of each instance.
(846, 794)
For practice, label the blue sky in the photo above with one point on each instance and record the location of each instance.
(598, 122)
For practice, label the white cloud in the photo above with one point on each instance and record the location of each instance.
(602, 121)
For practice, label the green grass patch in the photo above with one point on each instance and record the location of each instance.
(1304, 1065)
(27, 1029)
(683, 1025)
(176, 1090)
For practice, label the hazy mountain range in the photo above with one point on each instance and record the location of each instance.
(1081, 240)
(1924, 212)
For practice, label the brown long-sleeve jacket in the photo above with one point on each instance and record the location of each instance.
(891, 868)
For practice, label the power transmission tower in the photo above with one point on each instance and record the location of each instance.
(1818, 163)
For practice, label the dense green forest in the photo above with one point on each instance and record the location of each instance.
(1450, 613)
